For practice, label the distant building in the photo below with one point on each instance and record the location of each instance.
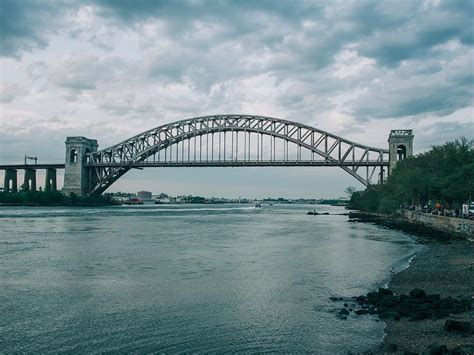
(144, 195)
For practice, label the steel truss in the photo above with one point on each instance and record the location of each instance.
(235, 140)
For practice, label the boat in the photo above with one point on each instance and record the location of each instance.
(314, 213)
(134, 201)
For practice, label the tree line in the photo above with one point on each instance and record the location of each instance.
(444, 175)
(53, 198)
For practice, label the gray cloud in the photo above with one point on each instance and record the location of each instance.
(8, 92)
(337, 65)
(418, 30)
(25, 25)
(408, 93)
(440, 132)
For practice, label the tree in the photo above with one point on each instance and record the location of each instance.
(350, 190)
(444, 174)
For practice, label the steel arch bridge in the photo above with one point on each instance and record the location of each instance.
(233, 141)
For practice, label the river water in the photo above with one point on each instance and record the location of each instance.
(189, 278)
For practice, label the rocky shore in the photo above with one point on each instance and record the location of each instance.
(445, 269)
(428, 308)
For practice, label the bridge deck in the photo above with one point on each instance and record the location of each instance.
(203, 164)
(240, 164)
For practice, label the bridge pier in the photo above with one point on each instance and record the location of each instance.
(77, 178)
(400, 146)
(10, 176)
(50, 183)
(29, 183)
(381, 175)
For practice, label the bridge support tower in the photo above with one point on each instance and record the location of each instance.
(50, 181)
(400, 146)
(77, 177)
(29, 183)
(10, 176)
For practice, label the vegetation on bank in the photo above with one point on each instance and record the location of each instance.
(53, 198)
(444, 174)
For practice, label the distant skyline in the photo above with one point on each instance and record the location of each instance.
(110, 69)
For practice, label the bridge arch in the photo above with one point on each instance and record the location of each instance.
(108, 165)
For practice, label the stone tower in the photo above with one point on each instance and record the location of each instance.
(76, 174)
(400, 145)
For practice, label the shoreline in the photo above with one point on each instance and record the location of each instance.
(445, 267)
(440, 269)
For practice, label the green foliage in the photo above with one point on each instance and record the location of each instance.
(444, 174)
(350, 190)
(53, 198)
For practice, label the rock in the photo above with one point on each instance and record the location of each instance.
(440, 314)
(403, 297)
(424, 314)
(417, 306)
(457, 326)
(389, 315)
(415, 317)
(334, 298)
(456, 351)
(391, 348)
(437, 349)
(346, 305)
(361, 312)
(373, 297)
(417, 293)
(431, 298)
(385, 291)
(361, 299)
(388, 301)
(344, 312)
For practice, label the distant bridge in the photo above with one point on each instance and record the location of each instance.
(225, 141)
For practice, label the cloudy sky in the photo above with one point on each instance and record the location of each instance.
(109, 69)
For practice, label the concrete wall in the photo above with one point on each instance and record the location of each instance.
(399, 137)
(442, 223)
(76, 176)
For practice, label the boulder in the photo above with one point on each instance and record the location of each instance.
(385, 291)
(388, 301)
(457, 326)
(424, 314)
(361, 299)
(432, 298)
(456, 351)
(373, 297)
(417, 293)
(437, 349)
(389, 315)
(391, 348)
(344, 312)
(415, 317)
